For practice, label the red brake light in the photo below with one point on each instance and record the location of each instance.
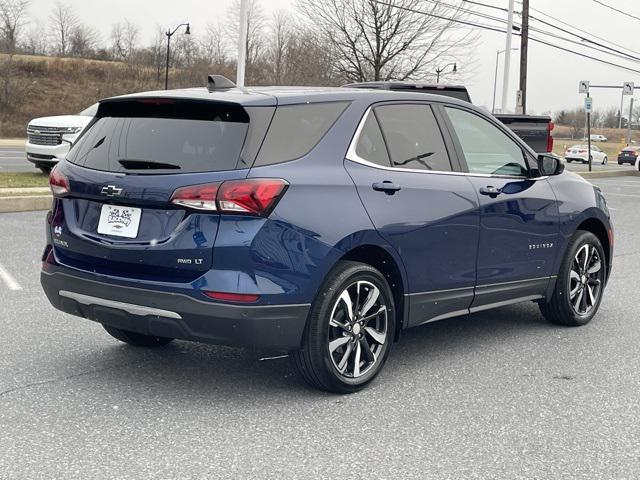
(200, 197)
(233, 297)
(58, 183)
(255, 196)
(550, 127)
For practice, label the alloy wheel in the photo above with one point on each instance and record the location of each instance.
(585, 279)
(358, 329)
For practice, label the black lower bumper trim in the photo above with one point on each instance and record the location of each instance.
(165, 314)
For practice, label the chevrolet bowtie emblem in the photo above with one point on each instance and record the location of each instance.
(111, 191)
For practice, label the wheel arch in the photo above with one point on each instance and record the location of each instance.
(598, 228)
(392, 269)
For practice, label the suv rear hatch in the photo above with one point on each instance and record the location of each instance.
(114, 212)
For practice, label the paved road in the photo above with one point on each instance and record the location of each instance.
(13, 159)
(499, 394)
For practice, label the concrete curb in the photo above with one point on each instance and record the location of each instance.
(12, 142)
(25, 204)
(624, 173)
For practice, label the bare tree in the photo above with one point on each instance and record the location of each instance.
(34, 42)
(255, 29)
(213, 46)
(63, 22)
(83, 41)
(403, 40)
(12, 18)
(124, 40)
(281, 32)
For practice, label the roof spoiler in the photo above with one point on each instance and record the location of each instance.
(219, 82)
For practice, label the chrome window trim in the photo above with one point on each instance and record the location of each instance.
(354, 157)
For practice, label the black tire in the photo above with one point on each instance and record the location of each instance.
(605, 160)
(45, 170)
(560, 309)
(619, 162)
(569, 160)
(316, 363)
(136, 339)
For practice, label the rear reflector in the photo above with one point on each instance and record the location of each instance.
(58, 183)
(252, 196)
(233, 297)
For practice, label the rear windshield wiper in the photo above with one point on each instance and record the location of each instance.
(147, 165)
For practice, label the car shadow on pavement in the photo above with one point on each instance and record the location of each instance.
(188, 370)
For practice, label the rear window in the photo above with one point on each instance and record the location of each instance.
(296, 129)
(163, 136)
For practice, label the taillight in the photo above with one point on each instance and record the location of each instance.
(200, 197)
(233, 297)
(550, 127)
(251, 196)
(254, 196)
(58, 183)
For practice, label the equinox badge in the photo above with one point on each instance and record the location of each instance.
(111, 191)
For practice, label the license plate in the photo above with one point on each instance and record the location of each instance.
(119, 221)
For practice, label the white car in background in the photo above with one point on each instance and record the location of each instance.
(578, 153)
(49, 138)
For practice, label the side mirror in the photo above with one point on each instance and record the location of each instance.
(549, 164)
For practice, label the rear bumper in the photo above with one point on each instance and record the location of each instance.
(165, 314)
(629, 160)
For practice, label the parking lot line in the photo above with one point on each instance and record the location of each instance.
(8, 279)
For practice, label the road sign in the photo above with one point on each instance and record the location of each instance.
(583, 87)
(627, 88)
(588, 104)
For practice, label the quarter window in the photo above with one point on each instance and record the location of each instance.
(486, 148)
(413, 137)
(296, 129)
(371, 145)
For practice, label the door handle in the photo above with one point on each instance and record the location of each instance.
(386, 186)
(490, 190)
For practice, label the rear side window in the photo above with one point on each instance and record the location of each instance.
(413, 137)
(296, 129)
(370, 146)
(183, 137)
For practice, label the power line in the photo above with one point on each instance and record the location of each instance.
(562, 22)
(616, 9)
(581, 37)
(492, 28)
(592, 45)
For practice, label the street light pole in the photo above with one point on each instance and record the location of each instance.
(169, 34)
(440, 70)
(507, 58)
(495, 79)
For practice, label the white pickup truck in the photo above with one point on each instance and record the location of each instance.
(49, 138)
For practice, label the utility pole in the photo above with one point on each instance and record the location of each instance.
(524, 50)
(242, 44)
(507, 58)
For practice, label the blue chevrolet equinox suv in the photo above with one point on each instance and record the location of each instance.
(317, 221)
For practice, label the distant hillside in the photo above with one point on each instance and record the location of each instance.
(32, 86)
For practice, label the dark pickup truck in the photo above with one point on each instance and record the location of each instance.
(535, 130)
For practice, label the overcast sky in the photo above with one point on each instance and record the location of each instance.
(553, 75)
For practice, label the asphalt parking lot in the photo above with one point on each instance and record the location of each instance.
(13, 159)
(499, 394)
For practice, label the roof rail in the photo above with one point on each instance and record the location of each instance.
(219, 82)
